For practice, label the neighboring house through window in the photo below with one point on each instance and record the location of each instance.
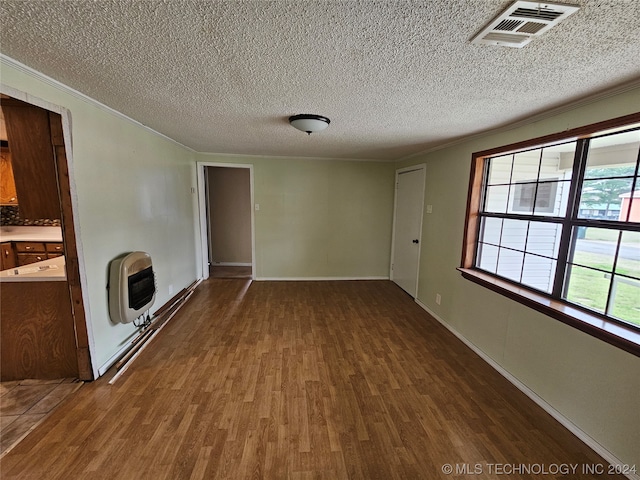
(560, 216)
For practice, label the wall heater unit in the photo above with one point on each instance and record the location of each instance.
(132, 286)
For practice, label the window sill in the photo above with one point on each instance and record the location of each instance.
(623, 337)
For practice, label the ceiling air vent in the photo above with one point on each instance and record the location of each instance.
(518, 24)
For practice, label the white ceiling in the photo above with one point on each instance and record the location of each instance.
(395, 77)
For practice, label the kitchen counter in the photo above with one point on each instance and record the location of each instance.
(30, 234)
(51, 270)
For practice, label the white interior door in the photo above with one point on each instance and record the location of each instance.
(407, 231)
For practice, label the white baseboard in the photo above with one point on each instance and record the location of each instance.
(316, 279)
(125, 348)
(114, 358)
(230, 264)
(568, 424)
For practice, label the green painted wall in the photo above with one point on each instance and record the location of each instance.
(133, 190)
(320, 218)
(594, 385)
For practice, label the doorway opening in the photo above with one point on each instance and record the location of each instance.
(226, 220)
(59, 343)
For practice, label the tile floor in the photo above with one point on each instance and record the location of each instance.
(25, 403)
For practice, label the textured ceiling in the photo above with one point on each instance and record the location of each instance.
(394, 77)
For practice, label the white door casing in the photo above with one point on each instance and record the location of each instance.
(202, 246)
(407, 228)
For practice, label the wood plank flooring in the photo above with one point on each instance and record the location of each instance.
(298, 380)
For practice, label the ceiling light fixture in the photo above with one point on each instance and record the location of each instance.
(306, 122)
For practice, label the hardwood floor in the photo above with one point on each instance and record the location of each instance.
(298, 380)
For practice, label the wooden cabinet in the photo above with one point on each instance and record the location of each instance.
(8, 195)
(8, 259)
(38, 335)
(17, 254)
(30, 252)
(32, 159)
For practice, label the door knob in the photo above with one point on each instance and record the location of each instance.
(416, 241)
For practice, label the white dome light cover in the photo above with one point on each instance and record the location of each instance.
(309, 123)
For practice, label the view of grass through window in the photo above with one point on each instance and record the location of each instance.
(590, 286)
(530, 220)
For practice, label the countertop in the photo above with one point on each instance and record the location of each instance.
(51, 270)
(30, 234)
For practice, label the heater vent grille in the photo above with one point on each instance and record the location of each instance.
(507, 38)
(527, 19)
(531, 27)
(508, 25)
(539, 13)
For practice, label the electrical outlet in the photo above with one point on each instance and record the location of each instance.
(170, 288)
(438, 299)
(429, 208)
(257, 207)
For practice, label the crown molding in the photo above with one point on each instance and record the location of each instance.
(52, 82)
(552, 112)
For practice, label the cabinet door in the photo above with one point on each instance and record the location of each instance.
(8, 195)
(8, 257)
(32, 159)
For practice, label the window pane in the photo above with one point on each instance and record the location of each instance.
(496, 200)
(544, 238)
(514, 234)
(526, 166)
(624, 300)
(588, 288)
(613, 155)
(521, 198)
(601, 199)
(500, 170)
(487, 257)
(526, 209)
(629, 256)
(557, 161)
(595, 247)
(562, 199)
(510, 264)
(491, 230)
(547, 199)
(630, 205)
(538, 272)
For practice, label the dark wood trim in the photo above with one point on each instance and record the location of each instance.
(585, 131)
(85, 372)
(608, 330)
(471, 222)
(621, 336)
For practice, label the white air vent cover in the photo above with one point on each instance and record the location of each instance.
(518, 24)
